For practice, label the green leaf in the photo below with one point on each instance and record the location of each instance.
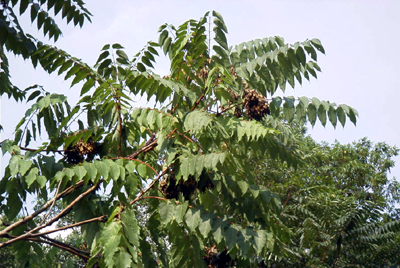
(244, 186)
(42, 180)
(91, 171)
(140, 67)
(167, 44)
(117, 46)
(220, 38)
(260, 240)
(79, 172)
(103, 169)
(18, 165)
(341, 115)
(192, 219)
(332, 115)
(110, 238)
(23, 6)
(131, 227)
(230, 235)
(102, 56)
(322, 115)
(31, 177)
(166, 210)
(312, 113)
(197, 120)
(205, 226)
(122, 54)
(317, 44)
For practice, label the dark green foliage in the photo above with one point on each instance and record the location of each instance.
(184, 184)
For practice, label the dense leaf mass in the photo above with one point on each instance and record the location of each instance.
(217, 173)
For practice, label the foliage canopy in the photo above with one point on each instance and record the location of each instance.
(165, 186)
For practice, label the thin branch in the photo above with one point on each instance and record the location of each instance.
(137, 160)
(288, 197)
(85, 255)
(154, 197)
(55, 243)
(198, 101)
(148, 146)
(150, 186)
(52, 205)
(35, 150)
(227, 108)
(58, 216)
(37, 212)
(101, 219)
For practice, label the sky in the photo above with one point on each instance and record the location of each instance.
(360, 67)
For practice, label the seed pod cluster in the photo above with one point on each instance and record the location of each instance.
(215, 259)
(255, 104)
(81, 151)
(171, 188)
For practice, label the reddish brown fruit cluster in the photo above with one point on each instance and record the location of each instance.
(255, 104)
(215, 259)
(80, 151)
(171, 188)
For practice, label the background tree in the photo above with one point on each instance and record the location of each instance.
(341, 205)
(188, 162)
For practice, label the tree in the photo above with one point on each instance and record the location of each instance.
(179, 178)
(340, 206)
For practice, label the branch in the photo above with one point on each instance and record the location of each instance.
(58, 216)
(35, 150)
(198, 101)
(150, 186)
(101, 219)
(85, 255)
(148, 146)
(37, 212)
(288, 197)
(52, 205)
(55, 243)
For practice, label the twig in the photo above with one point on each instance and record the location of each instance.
(226, 109)
(198, 101)
(154, 197)
(288, 197)
(52, 205)
(35, 150)
(150, 186)
(58, 216)
(148, 146)
(55, 243)
(69, 248)
(101, 218)
(37, 212)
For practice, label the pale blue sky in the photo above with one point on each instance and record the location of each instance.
(360, 68)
